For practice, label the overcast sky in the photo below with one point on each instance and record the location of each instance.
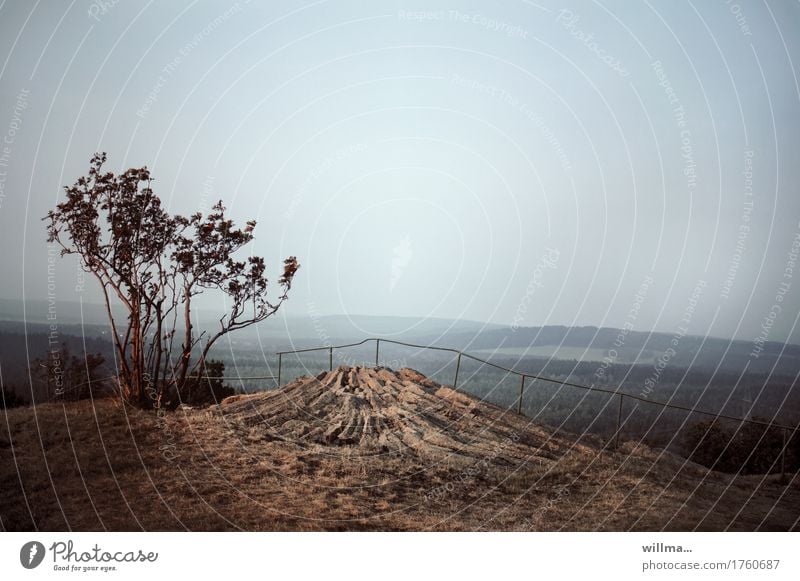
(576, 163)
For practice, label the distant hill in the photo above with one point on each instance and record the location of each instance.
(63, 312)
(595, 344)
(72, 316)
(483, 339)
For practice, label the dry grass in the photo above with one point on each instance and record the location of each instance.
(104, 466)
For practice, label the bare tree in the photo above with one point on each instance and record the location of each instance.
(153, 264)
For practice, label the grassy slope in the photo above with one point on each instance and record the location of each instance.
(85, 466)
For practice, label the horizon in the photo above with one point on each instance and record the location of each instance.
(488, 326)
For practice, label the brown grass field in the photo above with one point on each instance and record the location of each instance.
(355, 449)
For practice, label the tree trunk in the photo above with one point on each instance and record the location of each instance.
(135, 393)
(121, 355)
(187, 341)
(156, 371)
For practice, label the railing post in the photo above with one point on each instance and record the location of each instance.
(619, 421)
(377, 349)
(521, 389)
(330, 359)
(458, 366)
(280, 361)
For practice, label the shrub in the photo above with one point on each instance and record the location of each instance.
(749, 449)
(67, 376)
(10, 399)
(206, 388)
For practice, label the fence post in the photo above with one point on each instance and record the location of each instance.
(330, 359)
(521, 389)
(280, 360)
(458, 366)
(377, 348)
(619, 421)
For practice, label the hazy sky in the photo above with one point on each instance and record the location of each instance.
(517, 162)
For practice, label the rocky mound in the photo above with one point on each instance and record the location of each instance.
(381, 411)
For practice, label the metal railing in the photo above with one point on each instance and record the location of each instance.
(523, 376)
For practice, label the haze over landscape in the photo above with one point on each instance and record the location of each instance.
(478, 162)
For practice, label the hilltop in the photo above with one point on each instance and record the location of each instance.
(355, 449)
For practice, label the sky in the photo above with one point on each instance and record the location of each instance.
(521, 163)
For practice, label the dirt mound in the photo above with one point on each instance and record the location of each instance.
(381, 411)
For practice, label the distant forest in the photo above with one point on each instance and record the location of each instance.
(19, 352)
